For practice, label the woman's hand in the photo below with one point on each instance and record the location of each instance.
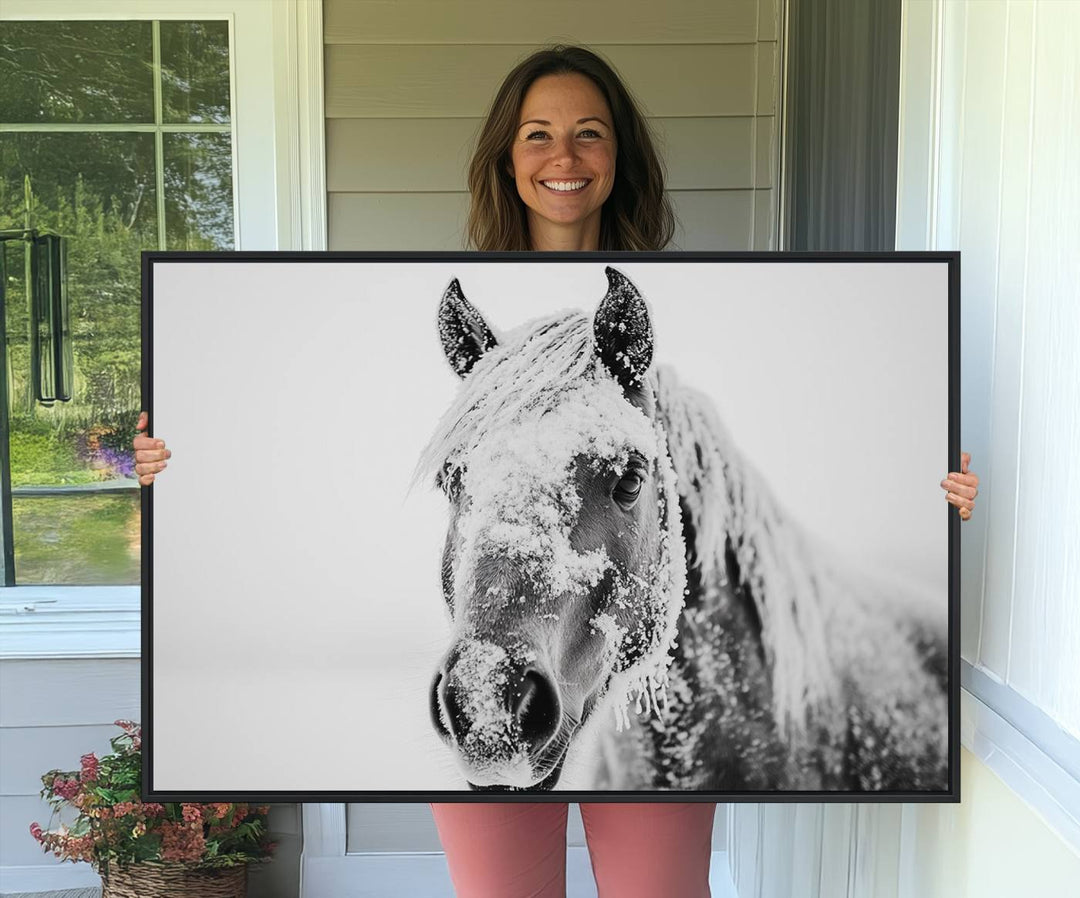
(150, 453)
(961, 489)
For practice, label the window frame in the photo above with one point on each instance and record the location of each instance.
(277, 121)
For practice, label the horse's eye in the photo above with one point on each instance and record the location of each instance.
(627, 489)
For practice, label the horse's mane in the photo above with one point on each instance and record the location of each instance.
(527, 369)
(730, 505)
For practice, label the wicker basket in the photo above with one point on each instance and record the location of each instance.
(146, 880)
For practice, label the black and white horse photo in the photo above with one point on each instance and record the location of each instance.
(618, 574)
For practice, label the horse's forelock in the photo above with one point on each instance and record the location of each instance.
(529, 370)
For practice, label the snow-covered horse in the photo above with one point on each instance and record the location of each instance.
(609, 548)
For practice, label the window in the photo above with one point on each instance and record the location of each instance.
(278, 172)
(118, 136)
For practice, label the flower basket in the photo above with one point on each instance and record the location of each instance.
(149, 880)
(147, 849)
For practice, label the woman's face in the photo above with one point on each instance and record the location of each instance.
(563, 154)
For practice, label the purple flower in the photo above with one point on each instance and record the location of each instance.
(120, 462)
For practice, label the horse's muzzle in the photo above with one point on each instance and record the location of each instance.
(500, 714)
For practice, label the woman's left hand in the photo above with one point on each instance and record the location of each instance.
(962, 488)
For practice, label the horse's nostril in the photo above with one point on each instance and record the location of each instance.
(435, 705)
(536, 708)
(444, 697)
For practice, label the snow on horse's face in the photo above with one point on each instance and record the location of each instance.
(557, 567)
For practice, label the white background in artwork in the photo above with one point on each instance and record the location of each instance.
(297, 613)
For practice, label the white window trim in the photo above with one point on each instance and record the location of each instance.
(1034, 757)
(280, 198)
(70, 622)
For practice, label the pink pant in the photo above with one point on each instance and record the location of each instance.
(518, 850)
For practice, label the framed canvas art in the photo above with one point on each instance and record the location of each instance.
(591, 526)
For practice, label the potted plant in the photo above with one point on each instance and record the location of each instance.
(144, 849)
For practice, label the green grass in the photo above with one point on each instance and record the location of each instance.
(83, 540)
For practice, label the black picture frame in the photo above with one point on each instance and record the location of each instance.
(152, 791)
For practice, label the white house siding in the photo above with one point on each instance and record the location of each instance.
(408, 83)
(53, 711)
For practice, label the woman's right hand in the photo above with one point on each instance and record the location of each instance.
(150, 453)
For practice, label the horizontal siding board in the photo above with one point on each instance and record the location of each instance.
(712, 219)
(459, 80)
(706, 153)
(395, 154)
(390, 827)
(707, 219)
(404, 221)
(28, 752)
(536, 24)
(768, 25)
(17, 846)
(68, 692)
(285, 818)
(432, 154)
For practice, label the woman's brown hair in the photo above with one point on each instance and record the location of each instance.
(637, 214)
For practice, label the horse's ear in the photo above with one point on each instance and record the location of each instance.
(623, 332)
(464, 333)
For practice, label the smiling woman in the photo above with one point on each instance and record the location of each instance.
(565, 161)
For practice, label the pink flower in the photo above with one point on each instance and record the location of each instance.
(35, 831)
(89, 768)
(181, 841)
(192, 813)
(133, 730)
(65, 788)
